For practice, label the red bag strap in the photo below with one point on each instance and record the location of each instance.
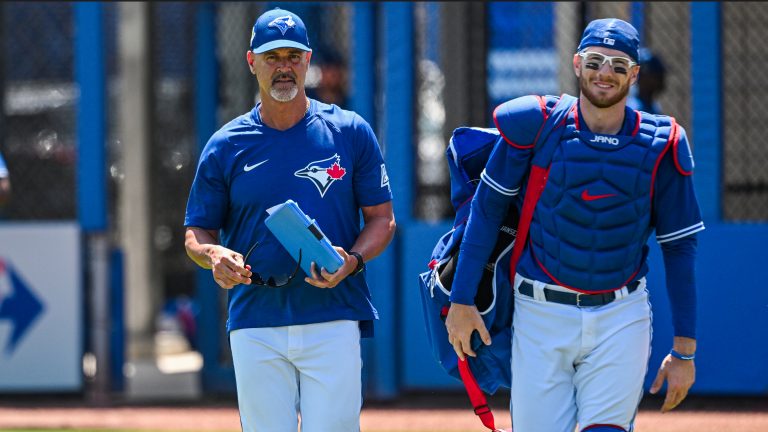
(476, 396)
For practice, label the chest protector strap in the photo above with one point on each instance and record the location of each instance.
(543, 149)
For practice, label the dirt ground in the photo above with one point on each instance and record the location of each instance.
(425, 412)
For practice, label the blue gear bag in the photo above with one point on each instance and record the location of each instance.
(467, 154)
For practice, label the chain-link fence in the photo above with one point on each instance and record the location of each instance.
(745, 111)
(39, 106)
(173, 143)
(471, 57)
(528, 51)
(665, 22)
(433, 189)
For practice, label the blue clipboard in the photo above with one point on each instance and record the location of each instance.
(295, 230)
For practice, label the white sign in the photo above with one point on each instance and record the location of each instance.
(41, 307)
(518, 72)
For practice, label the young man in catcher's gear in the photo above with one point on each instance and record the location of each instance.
(295, 340)
(582, 320)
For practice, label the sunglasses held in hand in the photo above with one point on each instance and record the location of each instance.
(270, 282)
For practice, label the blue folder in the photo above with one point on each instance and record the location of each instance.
(295, 230)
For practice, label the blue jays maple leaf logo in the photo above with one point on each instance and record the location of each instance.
(336, 171)
(283, 23)
(323, 173)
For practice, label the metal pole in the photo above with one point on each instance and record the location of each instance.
(363, 62)
(98, 264)
(396, 134)
(134, 205)
(207, 292)
(91, 186)
(706, 96)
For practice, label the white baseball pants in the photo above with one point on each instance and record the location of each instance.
(578, 365)
(311, 369)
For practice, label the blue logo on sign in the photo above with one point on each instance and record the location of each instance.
(20, 307)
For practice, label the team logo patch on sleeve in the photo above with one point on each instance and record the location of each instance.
(323, 173)
(384, 176)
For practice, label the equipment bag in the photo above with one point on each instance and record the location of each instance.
(467, 154)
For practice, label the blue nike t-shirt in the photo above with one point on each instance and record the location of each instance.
(330, 164)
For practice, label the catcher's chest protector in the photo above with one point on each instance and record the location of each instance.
(593, 217)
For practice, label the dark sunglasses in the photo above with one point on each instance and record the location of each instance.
(270, 282)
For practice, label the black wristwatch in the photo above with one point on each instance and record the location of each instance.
(360, 263)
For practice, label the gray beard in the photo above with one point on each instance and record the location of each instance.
(284, 95)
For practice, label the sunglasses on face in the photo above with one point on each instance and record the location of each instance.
(256, 279)
(596, 60)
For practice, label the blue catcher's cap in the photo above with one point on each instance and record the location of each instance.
(278, 28)
(611, 33)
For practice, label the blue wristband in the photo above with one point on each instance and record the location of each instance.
(677, 355)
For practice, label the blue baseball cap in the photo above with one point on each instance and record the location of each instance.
(279, 28)
(611, 33)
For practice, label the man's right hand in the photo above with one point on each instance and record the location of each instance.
(227, 267)
(461, 321)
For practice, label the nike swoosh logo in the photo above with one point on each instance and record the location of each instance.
(247, 167)
(587, 197)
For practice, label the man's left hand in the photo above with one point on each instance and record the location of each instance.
(679, 374)
(323, 279)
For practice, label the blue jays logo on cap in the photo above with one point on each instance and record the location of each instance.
(283, 23)
(279, 28)
(611, 33)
